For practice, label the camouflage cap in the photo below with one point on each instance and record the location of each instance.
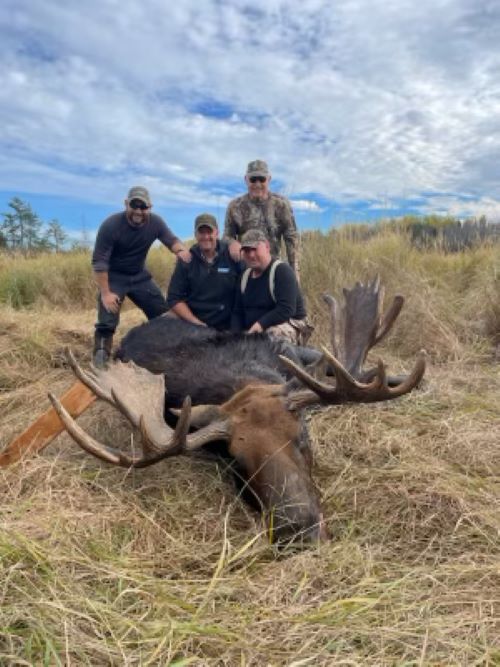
(258, 168)
(252, 238)
(140, 193)
(205, 220)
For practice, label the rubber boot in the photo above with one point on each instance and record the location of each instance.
(102, 350)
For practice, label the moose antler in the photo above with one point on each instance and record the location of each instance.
(139, 395)
(363, 327)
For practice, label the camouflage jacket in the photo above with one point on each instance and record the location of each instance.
(274, 216)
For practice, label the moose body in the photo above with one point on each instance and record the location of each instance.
(240, 389)
(205, 364)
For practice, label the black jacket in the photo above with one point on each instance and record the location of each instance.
(208, 289)
(256, 304)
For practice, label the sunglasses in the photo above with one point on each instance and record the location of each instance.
(138, 205)
(257, 179)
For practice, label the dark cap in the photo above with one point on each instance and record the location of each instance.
(205, 220)
(257, 168)
(140, 193)
(252, 238)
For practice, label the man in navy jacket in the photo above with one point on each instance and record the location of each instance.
(202, 291)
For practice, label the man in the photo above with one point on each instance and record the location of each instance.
(202, 291)
(264, 210)
(121, 246)
(269, 298)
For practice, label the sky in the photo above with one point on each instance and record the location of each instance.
(363, 109)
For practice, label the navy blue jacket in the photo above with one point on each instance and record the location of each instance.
(208, 289)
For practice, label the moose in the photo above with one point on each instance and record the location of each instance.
(248, 391)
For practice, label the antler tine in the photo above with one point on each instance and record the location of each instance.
(86, 442)
(389, 317)
(89, 380)
(176, 445)
(332, 305)
(347, 388)
(177, 442)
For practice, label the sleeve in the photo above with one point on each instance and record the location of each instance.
(178, 289)
(103, 248)
(230, 225)
(166, 235)
(285, 292)
(290, 235)
(237, 321)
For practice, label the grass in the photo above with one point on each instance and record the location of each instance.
(100, 566)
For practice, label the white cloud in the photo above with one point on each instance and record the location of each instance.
(346, 101)
(305, 205)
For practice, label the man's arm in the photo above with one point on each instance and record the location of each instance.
(285, 292)
(231, 233)
(182, 310)
(178, 293)
(110, 300)
(170, 240)
(237, 321)
(290, 236)
(100, 264)
(181, 251)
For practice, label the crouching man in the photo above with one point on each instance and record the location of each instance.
(203, 290)
(269, 297)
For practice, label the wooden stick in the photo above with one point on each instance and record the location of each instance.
(37, 436)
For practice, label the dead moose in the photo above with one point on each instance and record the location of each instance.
(248, 392)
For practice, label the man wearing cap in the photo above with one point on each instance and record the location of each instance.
(262, 209)
(269, 297)
(203, 291)
(118, 262)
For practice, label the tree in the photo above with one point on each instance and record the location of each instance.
(55, 235)
(21, 228)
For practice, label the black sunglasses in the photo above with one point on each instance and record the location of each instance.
(138, 205)
(257, 179)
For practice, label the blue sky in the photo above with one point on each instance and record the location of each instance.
(362, 109)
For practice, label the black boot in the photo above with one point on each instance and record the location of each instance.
(102, 350)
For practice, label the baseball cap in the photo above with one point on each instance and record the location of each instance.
(257, 168)
(205, 220)
(140, 193)
(252, 238)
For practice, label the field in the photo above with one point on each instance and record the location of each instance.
(166, 566)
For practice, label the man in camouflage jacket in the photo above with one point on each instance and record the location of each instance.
(264, 210)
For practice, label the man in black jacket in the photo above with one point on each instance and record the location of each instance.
(202, 291)
(269, 297)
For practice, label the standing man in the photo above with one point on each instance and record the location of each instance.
(121, 246)
(269, 297)
(203, 291)
(264, 210)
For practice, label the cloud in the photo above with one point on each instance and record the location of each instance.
(348, 102)
(305, 205)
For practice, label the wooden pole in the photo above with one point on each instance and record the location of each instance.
(42, 431)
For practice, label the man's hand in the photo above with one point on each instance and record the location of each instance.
(111, 302)
(184, 255)
(235, 250)
(255, 328)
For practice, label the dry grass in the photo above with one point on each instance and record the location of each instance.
(166, 567)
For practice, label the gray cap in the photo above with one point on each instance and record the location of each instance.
(205, 220)
(257, 168)
(252, 238)
(139, 192)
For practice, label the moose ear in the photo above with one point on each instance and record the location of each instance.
(203, 415)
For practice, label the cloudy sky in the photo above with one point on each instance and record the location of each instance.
(361, 108)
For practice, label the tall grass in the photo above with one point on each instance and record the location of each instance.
(452, 300)
(62, 280)
(166, 566)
